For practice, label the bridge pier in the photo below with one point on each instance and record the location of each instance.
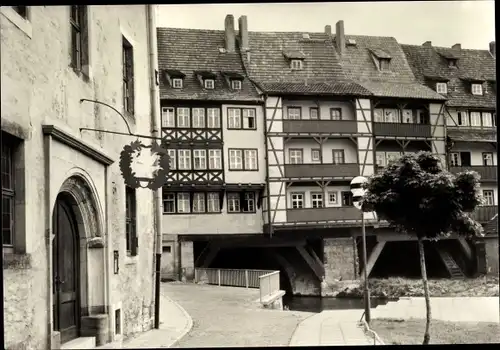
(341, 264)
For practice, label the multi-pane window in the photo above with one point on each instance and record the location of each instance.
(487, 158)
(335, 114)
(316, 154)
(235, 159)
(183, 117)
(172, 158)
(128, 76)
(314, 113)
(236, 84)
(296, 156)
(167, 117)
(250, 159)
(233, 203)
(296, 64)
(347, 199)
(198, 117)
(213, 118)
(487, 119)
(8, 192)
(332, 198)
(475, 118)
(392, 157)
(199, 202)
(78, 44)
(249, 118)
(21, 11)
(380, 159)
(441, 88)
(249, 202)
(177, 83)
(294, 113)
(130, 221)
(317, 199)
(213, 202)
(199, 159)
(454, 159)
(209, 84)
(183, 203)
(184, 159)
(168, 203)
(488, 198)
(385, 64)
(215, 159)
(234, 118)
(477, 89)
(391, 115)
(297, 200)
(338, 156)
(407, 116)
(463, 118)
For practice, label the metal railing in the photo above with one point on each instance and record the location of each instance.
(269, 284)
(230, 277)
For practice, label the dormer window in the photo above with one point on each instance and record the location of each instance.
(385, 64)
(209, 84)
(452, 62)
(441, 88)
(383, 59)
(177, 83)
(296, 64)
(236, 84)
(477, 89)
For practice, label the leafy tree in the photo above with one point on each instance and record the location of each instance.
(417, 197)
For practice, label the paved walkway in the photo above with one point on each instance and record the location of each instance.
(332, 327)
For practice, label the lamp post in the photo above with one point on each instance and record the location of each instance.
(357, 196)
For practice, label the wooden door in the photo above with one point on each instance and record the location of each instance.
(65, 272)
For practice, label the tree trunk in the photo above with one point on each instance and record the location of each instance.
(427, 335)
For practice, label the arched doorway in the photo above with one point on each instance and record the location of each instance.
(66, 270)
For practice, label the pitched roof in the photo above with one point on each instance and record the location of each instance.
(267, 63)
(359, 63)
(429, 62)
(192, 51)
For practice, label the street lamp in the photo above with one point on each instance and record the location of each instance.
(357, 196)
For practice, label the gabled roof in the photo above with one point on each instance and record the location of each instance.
(472, 65)
(193, 50)
(359, 64)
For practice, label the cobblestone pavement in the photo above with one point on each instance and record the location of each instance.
(227, 316)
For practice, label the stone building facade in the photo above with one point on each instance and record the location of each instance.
(72, 265)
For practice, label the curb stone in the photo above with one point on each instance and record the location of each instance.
(189, 324)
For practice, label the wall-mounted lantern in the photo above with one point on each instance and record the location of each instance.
(116, 265)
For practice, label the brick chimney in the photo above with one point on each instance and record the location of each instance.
(427, 43)
(229, 33)
(340, 36)
(493, 49)
(243, 31)
(457, 47)
(328, 30)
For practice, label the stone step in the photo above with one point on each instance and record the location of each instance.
(80, 343)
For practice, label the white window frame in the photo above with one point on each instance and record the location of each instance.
(236, 84)
(199, 202)
(294, 113)
(251, 159)
(295, 156)
(455, 159)
(463, 118)
(296, 64)
(380, 159)
(172, 158)
(487, 158)
(183, 203)
(177, 83)
(335, 113)
(199, 159)
(213, 202)
(209, 84)
(316, 154)
(441, 88)
(317, 200)
(477, 89)
(215, 159)
(247, 115)
(487, 119)
(297, 200)
(488, 197)
(169, 198)
(233, 118)
(335, 195)
(168, 117)
(198, 118)
(392, 156)
(233, 203)
(337, 152)
(316, 109)
(388, 118)
(235, 159)
(213, 118)
(378, 115)
(249, 198)
(408, 117)
(184, 159)
(183, 117)
(475, 119)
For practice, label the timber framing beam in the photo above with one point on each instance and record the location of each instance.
(373, 258)
(318, 269)
(214, 250)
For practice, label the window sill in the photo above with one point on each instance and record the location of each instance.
(130, 260)
(243, 169)
(23, 24)
(85, 73)
(14, 261)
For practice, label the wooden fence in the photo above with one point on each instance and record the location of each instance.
(230, 277)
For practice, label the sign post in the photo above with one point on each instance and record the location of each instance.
(357, 197)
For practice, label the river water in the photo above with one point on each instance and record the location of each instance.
(318, 304)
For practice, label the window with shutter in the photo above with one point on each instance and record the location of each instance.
(79, 37)
(130, 221)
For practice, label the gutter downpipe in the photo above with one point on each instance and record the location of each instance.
(155, 109)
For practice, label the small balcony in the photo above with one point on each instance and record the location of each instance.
(487, 173)
(321, 170)
(485, 213)
(323, 214)
(401, 130)
(320, 126)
